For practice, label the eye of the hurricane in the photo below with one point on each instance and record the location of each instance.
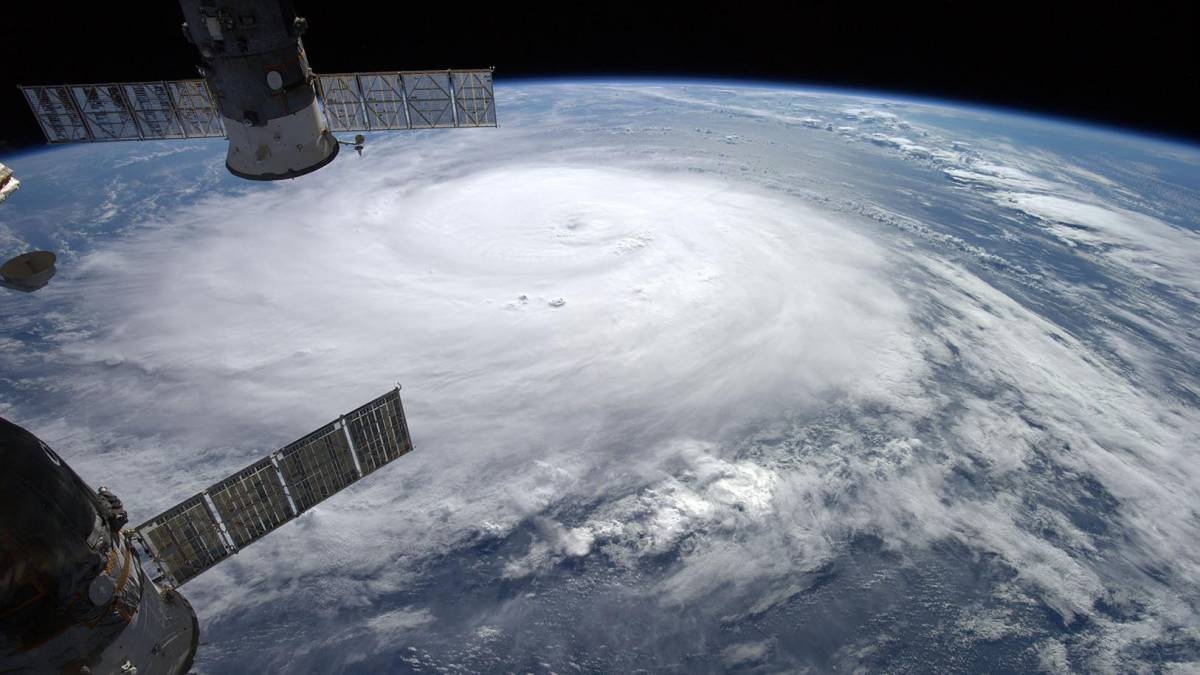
(537, 220)
(557, 220)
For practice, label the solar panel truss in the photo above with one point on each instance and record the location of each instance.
(191, 537)
(126, 111)
(431, 99)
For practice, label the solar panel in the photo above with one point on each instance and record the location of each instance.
(126, 111)
(185, 540)
(105, 112)
(343, 102)
(474, 102)
(318, 465)
(431, 99)
(252, 502)
(379, 432)
(194, 105)
(205, 529)
(153, 111)
(383, 100)
(60, 120)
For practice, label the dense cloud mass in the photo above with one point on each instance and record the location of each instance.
(700, 378)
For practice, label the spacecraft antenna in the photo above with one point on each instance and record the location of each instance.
(28, 271)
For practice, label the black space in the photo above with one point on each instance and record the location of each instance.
(1135, 67)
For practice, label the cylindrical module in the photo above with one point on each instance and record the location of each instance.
(262, 85)
(73, 596)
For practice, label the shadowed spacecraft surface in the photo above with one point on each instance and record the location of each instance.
(259, 92)
(79, 593)
(28, 272)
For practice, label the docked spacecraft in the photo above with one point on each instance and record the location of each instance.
(82, 594)
(29, 271)
(259, 92)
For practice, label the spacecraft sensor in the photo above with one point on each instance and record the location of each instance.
(259, 92)
(80, 593)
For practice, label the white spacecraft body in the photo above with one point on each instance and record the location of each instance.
(259, 92)
(285, 147)
(8, 182)
(259, 75)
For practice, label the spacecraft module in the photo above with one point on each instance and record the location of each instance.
(80, 593)
(259, 92)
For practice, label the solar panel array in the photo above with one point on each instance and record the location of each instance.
(208, 527)
(128, 111)
(131, 111)
(427, 99)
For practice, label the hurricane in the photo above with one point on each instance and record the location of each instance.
(701, 377)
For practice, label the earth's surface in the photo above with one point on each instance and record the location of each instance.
(837, 383)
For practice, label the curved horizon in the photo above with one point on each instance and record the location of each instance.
(883, 94)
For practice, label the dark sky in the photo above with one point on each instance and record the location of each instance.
(1134, 67)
